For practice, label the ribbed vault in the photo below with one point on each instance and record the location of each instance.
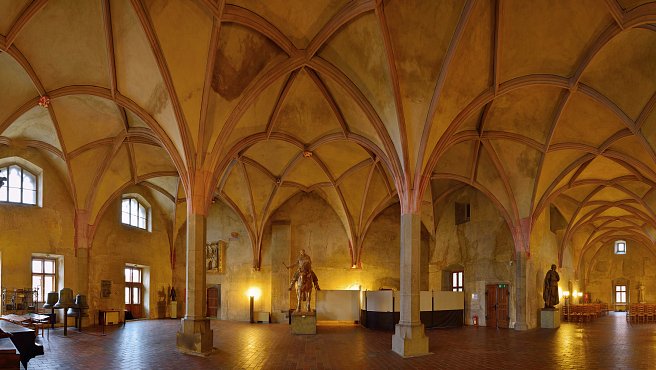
(365, 102)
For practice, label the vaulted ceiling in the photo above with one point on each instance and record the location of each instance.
(366, 102)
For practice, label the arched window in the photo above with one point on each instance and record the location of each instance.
(20, 186)
(620, 247)
(134, 213)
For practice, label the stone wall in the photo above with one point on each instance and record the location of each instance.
(636, 266)
(307, 222)
(482, 247)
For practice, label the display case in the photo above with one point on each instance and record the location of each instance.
(19, 300)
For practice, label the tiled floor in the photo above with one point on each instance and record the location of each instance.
(607, 343)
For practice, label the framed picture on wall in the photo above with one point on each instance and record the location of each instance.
(105, 288)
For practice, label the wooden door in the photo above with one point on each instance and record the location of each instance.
(134, 291)
(497, 312)
(491, 306)
(212, 301)
(503, 313)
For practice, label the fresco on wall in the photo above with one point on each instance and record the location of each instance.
(214, 256)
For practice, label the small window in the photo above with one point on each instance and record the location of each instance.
(20, 186)
(463, 213)
(457, 282)
(134, 213)
(620, 247)
(620, 293)
(44, 277)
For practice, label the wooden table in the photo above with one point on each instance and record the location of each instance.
(35, 320)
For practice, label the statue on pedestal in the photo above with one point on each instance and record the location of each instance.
(550, 292)
(305, 279)
(641, 294)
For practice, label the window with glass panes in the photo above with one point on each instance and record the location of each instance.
(620, 293)
(457, 282)
(133, 285)
(20, 187)
(44, 276)
(134, 213)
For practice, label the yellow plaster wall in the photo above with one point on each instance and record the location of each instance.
(543, 253)
(30, 229)
(116, 245)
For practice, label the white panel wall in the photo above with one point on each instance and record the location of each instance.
(449, 300)
(379, 300)
(338, 305)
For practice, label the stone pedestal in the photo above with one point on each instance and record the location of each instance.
(550, 318)
(195, 337)
(410, 340)
(304, 323)
(173, 309)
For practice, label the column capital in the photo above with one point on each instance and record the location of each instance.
(521, 234)
(199, 192)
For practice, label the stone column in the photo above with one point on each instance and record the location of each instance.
(82, 245)
(520, 291)
(83, 240)
(409, 339)
(195, 335)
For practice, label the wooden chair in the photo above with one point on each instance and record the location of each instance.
(632, 313)
(589, 312)
(578, 313)
(641, 312)
(649, 312)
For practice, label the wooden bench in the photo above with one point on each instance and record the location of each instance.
(9, 355)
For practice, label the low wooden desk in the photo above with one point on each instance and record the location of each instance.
(23, 338)
(9, 355)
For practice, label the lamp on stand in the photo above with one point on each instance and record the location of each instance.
(566, 295)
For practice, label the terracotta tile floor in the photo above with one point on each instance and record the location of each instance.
(607, 343)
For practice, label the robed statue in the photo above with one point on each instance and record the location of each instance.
(550, 292)
(305, 279)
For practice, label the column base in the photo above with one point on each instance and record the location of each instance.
(195, 337)
(410, 340)
(521, 326)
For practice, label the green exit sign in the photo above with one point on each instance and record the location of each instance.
(503, 285)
